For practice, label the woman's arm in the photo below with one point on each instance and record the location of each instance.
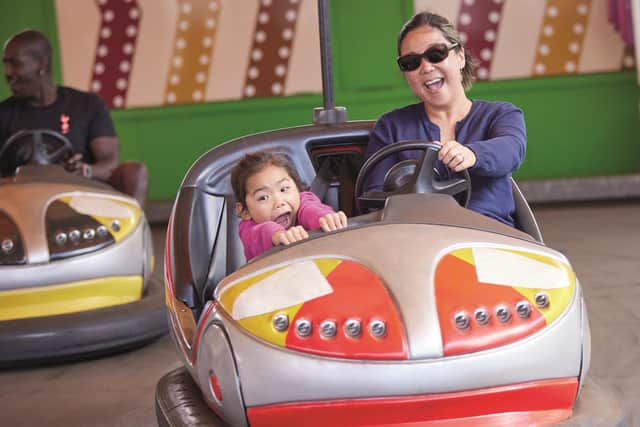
(504, 151)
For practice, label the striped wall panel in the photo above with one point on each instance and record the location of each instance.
(271, 48)
(194, 38)
(115, 49)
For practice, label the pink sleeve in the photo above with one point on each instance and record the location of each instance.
(311, 210)
(256, 238)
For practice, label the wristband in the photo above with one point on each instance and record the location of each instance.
(86, 171)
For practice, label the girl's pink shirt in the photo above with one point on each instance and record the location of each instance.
(256, 238)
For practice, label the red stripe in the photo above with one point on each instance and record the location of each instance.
(534, 403)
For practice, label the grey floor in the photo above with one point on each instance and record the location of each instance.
(601, 240)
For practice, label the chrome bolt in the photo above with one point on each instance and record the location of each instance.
(461, 319)
(523, 308)
(88, 234)
(328, 329)
(8, 246)
(102, 231)
(61, 238)
(115, 225)
(542, 300)
(280, 322)
(74, 235)
(503, 314)
(482, 316)
(303, 328)
(377, 328)
(352, 328)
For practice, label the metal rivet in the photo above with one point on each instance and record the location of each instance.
(115, 225)
(74, 235)
(377, 328)
(482, 316)
(523, 308)
(542, 300)
(7, 246)
(303, 327)
(352, 328)
(328, 329)
(461, 319)
(503, 314)
(88, 234)
(102, 231)
(61, 238)
(280, 322)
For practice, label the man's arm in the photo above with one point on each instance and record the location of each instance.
(105, 152)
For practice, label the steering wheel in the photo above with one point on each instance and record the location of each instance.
(411, 176)
(31, 147)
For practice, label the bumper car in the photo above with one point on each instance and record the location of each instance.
(419, 313)
(76, 259)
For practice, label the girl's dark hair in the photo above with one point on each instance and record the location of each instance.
(253, 163)
(449, 32)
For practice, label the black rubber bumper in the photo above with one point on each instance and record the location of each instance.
(179, 403)
(94, 332)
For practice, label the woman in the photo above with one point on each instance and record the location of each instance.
(487, 138)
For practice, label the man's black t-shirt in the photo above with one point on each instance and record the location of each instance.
(80, 116)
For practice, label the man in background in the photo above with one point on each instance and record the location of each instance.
(82, 117)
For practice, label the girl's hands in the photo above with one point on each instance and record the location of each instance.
(329, 222)
(286, 237)
(333, 221)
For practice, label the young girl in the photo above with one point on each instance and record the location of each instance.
(272, 208)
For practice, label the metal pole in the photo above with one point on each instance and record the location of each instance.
(325, 55)
(329, 113)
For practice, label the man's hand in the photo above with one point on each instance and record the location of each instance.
(333, 221)
(76, 166)
(286, 237)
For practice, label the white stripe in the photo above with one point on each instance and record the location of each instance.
(506, 268)
(295, 284)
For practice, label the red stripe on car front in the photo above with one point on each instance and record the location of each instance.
(540, 403)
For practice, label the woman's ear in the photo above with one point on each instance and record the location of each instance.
(462, 58)
(242, 212)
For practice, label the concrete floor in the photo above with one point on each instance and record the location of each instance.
(601, 240)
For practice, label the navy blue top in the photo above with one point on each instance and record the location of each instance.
(494, 131)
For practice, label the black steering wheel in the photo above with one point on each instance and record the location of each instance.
(411, 176)
(34, 147)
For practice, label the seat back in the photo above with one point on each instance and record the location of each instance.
(523, 217)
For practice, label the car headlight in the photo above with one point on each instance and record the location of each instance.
(490, 296)
(80, 224)
(11, 247)
(329, 307)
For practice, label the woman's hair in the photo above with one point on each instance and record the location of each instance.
(253, 163)
(449, 32)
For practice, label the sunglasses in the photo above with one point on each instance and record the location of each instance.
(434, 54)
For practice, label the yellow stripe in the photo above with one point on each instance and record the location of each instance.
(127, 224)
(559, 297)
(69, 298)
(228, 296)
(262, 327)
(465, 255)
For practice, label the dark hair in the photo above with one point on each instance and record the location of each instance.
(449, 32)
(253, 163)
(36, 44)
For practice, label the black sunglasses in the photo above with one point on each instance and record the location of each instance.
(434, 54)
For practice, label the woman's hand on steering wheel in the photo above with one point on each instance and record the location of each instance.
(456, 156)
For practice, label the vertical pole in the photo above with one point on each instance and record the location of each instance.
(329, 113)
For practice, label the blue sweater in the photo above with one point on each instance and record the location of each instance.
(494, 131)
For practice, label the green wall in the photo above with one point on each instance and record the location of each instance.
(577, 126)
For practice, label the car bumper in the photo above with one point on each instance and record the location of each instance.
(179, 403)
(83, 333)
